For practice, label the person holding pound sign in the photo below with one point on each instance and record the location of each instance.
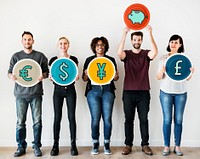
(173, 95)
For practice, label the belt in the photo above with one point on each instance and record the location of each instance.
(64, 87)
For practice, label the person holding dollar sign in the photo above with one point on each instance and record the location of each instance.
(173, 95)
(100, 98)
(26, 96)
(64, 92)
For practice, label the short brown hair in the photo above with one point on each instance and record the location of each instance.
(137, 33)
(27, 32)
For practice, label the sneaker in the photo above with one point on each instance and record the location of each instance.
(107, 150)
(37, 151)
(20, 151)
(95, 149)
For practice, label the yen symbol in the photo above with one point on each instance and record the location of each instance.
(101, 73)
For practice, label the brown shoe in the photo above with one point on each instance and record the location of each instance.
(147, 150)
(127, 150)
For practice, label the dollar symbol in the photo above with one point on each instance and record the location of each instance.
(65, 76)
(101, 73)
(24, 73)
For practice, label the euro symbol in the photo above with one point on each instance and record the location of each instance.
(101, 73)
(65, 76)
(177, 67)
(24, 73)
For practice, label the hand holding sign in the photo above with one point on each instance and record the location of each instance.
(64, 71)
(178, 67)
(101, 71)
(136, 16)
(27, 72)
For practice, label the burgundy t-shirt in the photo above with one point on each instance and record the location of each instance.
(136, 70)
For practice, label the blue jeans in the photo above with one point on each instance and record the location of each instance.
(36, 110)
(100, 101)
(168, 102)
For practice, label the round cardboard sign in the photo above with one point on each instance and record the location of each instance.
(27, 72)
(101, 71)
(178, 67)
(64, 71)
(136, 16)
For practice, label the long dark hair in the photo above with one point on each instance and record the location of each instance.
(176, 37)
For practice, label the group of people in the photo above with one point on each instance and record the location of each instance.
(100, 98)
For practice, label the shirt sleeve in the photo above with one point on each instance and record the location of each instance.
(44, 65)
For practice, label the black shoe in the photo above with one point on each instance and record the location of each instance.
(55, 150)
(74, 151)
(20, 151)
(37, 151)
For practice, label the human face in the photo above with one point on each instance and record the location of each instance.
(27, 41)
(63, 45)
(174, 45)
(100, 48)
(136, 41)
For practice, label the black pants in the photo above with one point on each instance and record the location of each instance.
(61, 93)
(141, 101)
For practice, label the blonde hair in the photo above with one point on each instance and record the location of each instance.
(63, 38)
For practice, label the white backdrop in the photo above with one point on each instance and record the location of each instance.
(81, 21)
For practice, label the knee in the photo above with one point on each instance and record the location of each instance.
(71, 118)
(178, 121)
(20, 126)
(143, 119)
(107, 121)
(37, 124)
(167, 121)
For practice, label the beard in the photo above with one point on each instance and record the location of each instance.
(28, 47)
(137, 46)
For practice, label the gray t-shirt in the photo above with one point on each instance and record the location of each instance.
(37, 90)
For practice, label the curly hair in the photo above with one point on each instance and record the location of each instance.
(95, 41)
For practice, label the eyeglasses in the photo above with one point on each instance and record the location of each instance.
(102, 45)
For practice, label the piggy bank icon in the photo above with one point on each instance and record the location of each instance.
(136, 16)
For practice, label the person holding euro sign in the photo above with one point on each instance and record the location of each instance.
(173, 95)
(26, 96)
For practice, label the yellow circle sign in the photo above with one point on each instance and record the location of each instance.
(101, 71)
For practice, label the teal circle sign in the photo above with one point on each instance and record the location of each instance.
(63, 71)
(178, 67)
